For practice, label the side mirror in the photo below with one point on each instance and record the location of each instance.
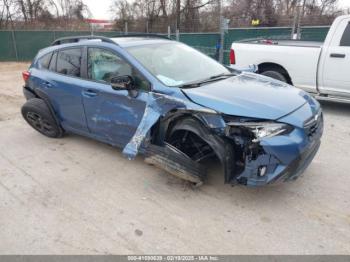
(122, 83)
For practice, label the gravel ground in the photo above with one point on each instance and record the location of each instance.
(78, 196)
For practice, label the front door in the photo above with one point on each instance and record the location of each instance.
(112, 115)
(336, 77)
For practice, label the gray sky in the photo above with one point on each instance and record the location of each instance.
(100, 8)
(344, 3)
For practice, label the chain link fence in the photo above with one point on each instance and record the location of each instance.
(23, 45)
(207, 42)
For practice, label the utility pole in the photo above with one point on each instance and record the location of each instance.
(300, 16)
(294, 28)
(91, 29)
(9, 17)
(178, 17)
(126, 27)
(222, 32)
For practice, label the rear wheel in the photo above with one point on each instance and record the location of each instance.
(38, 115)
(275, 75)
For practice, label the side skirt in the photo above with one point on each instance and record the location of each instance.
(176, 163)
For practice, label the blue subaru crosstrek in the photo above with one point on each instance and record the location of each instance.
(175, 105)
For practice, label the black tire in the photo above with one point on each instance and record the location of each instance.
(38, 115)
(275, 75)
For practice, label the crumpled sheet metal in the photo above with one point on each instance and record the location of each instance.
(170, 159)
(157, 105)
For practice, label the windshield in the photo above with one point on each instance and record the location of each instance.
(176, 64)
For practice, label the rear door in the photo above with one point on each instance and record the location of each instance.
(336, 64)
(112, 115)
(62, 83)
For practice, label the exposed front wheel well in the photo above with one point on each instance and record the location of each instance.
(186, 134)
(268, 67)
(202, 144)
(191, 145)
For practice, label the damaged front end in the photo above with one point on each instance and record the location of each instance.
(270, 152)
(179, 137)
(253, 163)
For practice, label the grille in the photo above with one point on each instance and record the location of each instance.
(313, 124)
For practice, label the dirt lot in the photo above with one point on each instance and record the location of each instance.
(78, 196)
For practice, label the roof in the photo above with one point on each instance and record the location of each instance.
(139, 40)
(122, 41)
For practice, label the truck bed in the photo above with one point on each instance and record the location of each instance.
(299, 43)
(299, 58)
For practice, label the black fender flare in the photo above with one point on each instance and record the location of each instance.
(222, 147)
(42, 95)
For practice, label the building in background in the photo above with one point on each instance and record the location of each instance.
(100, 24)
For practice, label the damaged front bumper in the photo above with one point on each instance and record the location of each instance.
(282, 158)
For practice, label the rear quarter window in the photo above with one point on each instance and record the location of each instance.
(44, 61)
(69, 62)
(345, 40)
(53, 61)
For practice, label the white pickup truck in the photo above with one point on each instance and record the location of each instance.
(319, 68)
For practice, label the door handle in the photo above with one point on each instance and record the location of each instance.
(338, 55)
(90, 93)
(47, 84)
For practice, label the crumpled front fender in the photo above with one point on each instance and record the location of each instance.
(157, 105)
(205, 123)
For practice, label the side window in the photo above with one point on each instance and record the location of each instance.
(44, 61)
(53, 61)
(345, 40)
(103, 65)
(69, 61)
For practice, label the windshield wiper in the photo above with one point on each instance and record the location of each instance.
(209, 80)
(222, 75)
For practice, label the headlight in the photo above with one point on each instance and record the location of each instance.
(268, 130)
(264, 129)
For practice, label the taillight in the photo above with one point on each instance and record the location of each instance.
(232, 57)
(25, 75)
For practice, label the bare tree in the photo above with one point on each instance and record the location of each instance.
(157, 15)
(2, 14)
(7, 13)
(31, 10)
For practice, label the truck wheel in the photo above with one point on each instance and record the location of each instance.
(275, 75)
(38, 115)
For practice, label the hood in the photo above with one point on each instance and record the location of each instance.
(249, 95)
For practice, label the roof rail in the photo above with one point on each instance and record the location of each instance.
(150, 35)
(73, 39)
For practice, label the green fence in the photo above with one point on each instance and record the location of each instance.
(28, 43)
(23, 45)
(207, 42)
